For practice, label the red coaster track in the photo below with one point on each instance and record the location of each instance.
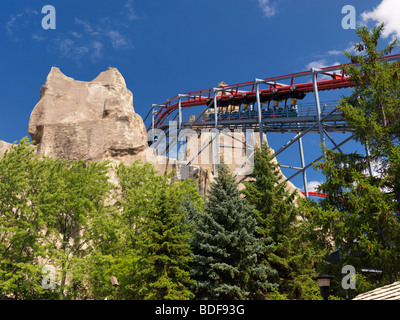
(231, 93)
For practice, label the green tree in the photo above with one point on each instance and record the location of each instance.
(226, 250)
(21, 176)
(357, 220)
(360, 217)
(279, 219)
(157, 266)
(372, 109)
(76, 194)
(47, 210)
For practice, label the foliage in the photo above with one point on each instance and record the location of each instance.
(75, 195)
(372, 109)
(278, 218)
(45, 209)
(21, 177)
(159, 233)
(161, 241)
(226, 250)
(360, 217)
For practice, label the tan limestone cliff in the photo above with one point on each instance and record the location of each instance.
(87, 120)
(96, 121)
(4, 146)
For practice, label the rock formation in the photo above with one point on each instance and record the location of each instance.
(96, 121)
(87, 120)
(4, 146)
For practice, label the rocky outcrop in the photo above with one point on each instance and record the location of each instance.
(87, 120)
(96, 121)
(4, 146)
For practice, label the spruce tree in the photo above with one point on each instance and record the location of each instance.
(279, 219)
(164, 248)
(157, 233)
(227, 252)
(360, 217)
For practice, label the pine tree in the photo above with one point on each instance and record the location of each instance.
(158, 234)
(278, 219)
(357, 221)
(164, 248)
(226, 250)
(360, 217)
(372, 109)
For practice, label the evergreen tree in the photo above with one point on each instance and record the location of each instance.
(279, 219)
(164, 249)
(360, 217)
(226, 250)
(372, 109)
(161, 252)
(356, 223)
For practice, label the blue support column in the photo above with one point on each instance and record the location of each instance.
(179, 125)
(318, 106)
(260, 129)
(216, 132)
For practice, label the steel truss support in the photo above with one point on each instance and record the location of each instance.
(305, 183)
(333, 141)
(180, 96)
(198, 98)
(260, 128)
(321, 157)
(314, 74)
(299, 135)
(154, 111)
(215, 90)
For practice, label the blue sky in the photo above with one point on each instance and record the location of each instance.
(166, 47)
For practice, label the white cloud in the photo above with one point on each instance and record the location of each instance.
(388, 12)
(97, 50)
(68, 48)
(38, 37)
(117, 40)
(76, 34)
(20, 20)
(10, 23)
(335, 52)
(267, 7)
(90, 39)
(319, 64)
(130, 11)
(86, 38)
(87, 27)
(312, 186)
(332, 58)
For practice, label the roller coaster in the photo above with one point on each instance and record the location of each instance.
(267, 105)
